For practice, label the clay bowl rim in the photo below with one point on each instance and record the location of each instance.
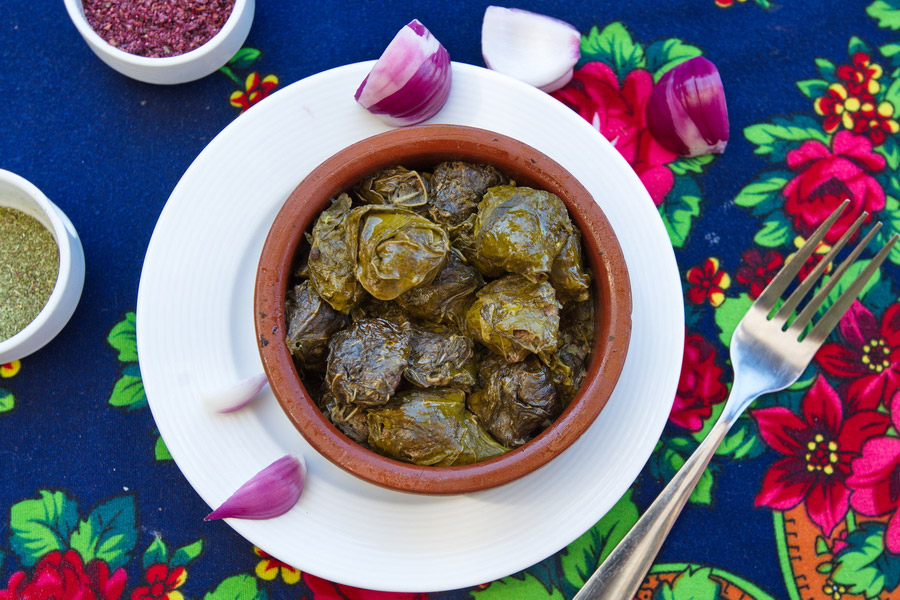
(421, 146)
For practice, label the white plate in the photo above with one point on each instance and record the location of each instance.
(195, 334)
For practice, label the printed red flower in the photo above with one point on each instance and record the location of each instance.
(700, 385)
(269, 568)
(874, 481)
(758, 269)
(162, 583)
(255, 89)
(875, 121)
(726, 3)
(65, 577)
(323, 589)
(838, 108)
(862, 76)
(818, 448)
(828, 176)
(868, 355)
(619, 114)
(708, 283)
(814, 259)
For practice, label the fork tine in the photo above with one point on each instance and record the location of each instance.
(807, 284)
(833, 315)
(789, 271)
(810, 309)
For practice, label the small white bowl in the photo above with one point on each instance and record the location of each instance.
(20, 194)
(170, 70)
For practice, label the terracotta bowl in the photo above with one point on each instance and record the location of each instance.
(424, 146)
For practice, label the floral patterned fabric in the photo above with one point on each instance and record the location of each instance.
(802, 501)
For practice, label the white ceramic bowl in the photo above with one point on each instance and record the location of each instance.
(20, 194)
(182, 68)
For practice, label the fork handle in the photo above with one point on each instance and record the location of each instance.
(623, 571)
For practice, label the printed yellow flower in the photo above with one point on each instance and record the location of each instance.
(269, 568)
(9, 369)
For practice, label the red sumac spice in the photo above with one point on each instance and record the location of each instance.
(157, 28)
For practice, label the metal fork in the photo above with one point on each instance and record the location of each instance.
(769, 352)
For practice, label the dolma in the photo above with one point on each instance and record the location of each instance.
(350, 419)
(568, 276)
(394, 249)
(440, 357)
(331, 263)
(568, 365)
(458, 187)
(310, 324)
(515, 317)
(448, 296)
(430, 428)
(515, 400)
(519, 230)
(395, 186)
(366, 361)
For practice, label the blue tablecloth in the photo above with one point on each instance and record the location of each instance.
(91, 502)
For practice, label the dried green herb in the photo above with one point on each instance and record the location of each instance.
(29, 267)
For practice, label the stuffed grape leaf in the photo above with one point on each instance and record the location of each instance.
(366, 361)
(430, 427)
(515, 317)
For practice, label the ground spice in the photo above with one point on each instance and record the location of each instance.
(157, 28)
(29, 267)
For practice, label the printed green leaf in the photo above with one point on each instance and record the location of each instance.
(42, 525)
(663, 55)
(890, 149)
(160, 451)
(696, 584)
(743, 441)
(613, 46)
(109, 533)
(693, 164)
(186, 554)
(524, 586)
(156, 553)
(7, 400)
(702, 494)
(729, 314)
(670, 455)
(680, 207)
(886, 12)
(582, 557)
(244, 58)
(763, 195)
(775, 232)
(129, 391)
(237, 587)
(845, 281)
(890, 51)
(784, 134)
(857, 45)
(826, 68)
(863, 566)
(122, 337)
(813, 88)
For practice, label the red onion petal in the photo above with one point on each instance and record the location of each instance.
(270, 493)
(411, 81)
(534, 48)
(687, 113)
(236, 396)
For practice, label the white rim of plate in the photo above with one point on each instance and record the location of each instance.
(195, 335)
